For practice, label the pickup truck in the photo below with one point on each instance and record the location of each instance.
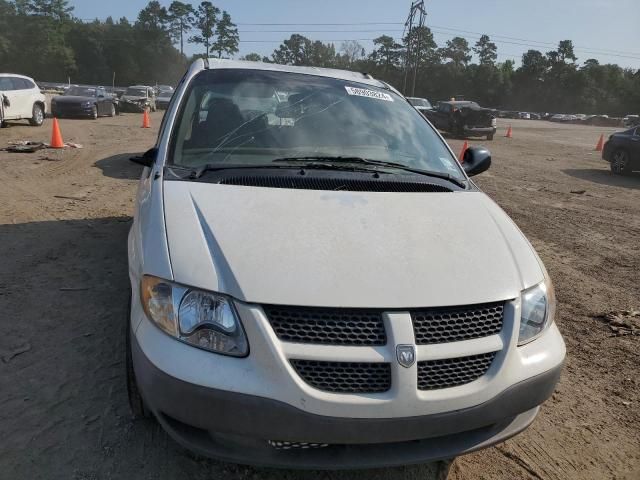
(463, 118)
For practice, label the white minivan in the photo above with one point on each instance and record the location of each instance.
(316, 282)
(20, 98)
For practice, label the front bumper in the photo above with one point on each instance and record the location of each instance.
(229, 408)
(60, 111)
(607, 150)
(132, 107)
(479, 131)
(236, 427)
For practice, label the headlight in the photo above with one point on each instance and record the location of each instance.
(86, 104)
(538, 309)
(204, 319)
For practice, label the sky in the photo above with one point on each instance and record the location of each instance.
(608, 30)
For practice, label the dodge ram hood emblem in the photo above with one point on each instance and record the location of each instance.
(406, 355)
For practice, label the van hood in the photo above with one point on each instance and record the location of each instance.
(345, 249)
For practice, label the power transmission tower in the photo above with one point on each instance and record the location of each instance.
(416, 19)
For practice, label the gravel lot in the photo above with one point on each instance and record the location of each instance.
(64, 218)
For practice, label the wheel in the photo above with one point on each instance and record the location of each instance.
(620, 162)
(112, 110)
(490, 137)
(37, 117)
(136, 403)
(94, 112)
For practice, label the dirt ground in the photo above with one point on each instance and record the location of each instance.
(64, 218)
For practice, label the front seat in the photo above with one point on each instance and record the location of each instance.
(223, 117)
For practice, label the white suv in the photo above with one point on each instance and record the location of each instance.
(317, 283)
(20, 98)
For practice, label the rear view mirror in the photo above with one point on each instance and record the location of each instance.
(476, 160)
(147, 159)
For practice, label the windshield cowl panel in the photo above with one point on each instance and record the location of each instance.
(253, 117)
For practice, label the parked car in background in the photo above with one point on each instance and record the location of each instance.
(524, 116)
(631, 120)
(403, 323)
(164, 95)
(89, 102)
(21, 99)
(137, 98)
(463, 118)
(622, 151)
(421, 104)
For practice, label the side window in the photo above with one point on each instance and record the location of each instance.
(6, 84)
(22, 84)
(16, 83)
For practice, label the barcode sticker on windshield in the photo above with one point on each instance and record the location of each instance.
(365, 92)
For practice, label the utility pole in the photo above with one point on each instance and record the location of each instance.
(416, 19)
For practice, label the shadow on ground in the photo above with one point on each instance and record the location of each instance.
(119, 166)
(605, 177)
(63, 410)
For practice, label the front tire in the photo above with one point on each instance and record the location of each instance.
(136, 403)
(112, 110)
(94, 112)
(37, 115)
(620, 162)
(490, 137)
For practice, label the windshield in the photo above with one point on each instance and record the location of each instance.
(81, 92)
(136, 92)
(252, 117)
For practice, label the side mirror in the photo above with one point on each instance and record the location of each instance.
(147, 159)
(476, 160)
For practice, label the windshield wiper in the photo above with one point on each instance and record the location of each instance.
(368, 161)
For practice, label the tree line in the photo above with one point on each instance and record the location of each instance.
(544, 82)
(43, 39)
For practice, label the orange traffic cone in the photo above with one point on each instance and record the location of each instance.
(600, 144)
(509, 132)
(464, 149)
(56, 136)
(146, 122)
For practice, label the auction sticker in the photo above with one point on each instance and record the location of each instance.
(365, 92)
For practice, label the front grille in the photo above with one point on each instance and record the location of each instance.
(452, 324)
(344, 184)
(345, 377)
(327, 326)
(451, 372)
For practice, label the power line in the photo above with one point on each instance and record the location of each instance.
(318, 24)
(437, 29)
(551, 44)
(457, 30)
